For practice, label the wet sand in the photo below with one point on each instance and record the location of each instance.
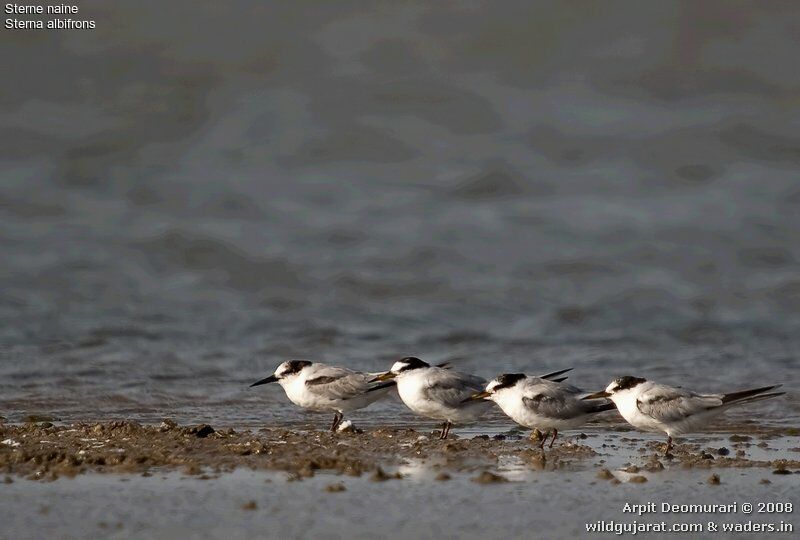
(165, 480)
(44, 451)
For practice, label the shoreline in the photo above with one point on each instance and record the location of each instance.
(44, 451)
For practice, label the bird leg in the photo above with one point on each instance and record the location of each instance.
(545, 434)
(555, 434)
(337, 419)
(445, 430)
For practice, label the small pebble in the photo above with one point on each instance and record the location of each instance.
(335, 488)
(346, 427)
(380, 476)
(192, 469)
(713, 480)
(605, 474)
(654, 466)
(487, 477)
(167, 424)
(637, 479)
(201, 432)
(249, 505)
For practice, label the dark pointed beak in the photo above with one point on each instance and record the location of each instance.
(597, 395)
(384, 377)
(477, 397)
(271, 378)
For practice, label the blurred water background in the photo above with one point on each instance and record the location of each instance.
(198, 190)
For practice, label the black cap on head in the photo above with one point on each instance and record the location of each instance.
(412, 362)
(507, 380)
(627, 382)
(294, 366)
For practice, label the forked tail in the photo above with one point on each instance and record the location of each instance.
(754, 394)
(550, 376)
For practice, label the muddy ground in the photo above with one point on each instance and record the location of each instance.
(44, 451)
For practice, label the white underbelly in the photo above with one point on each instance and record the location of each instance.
(416, 400)
(529, 418)
(631, 413)
(297, 393)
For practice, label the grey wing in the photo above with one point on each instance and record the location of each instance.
(551, 387)
(667, 404)
(338, 383)
(555, 401)
(451, 388)
(473, 382)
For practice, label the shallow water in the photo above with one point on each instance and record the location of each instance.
(612, 188)
(244, 503)
(379, 484)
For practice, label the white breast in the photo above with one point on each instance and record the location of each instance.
(511, 404)
(410, 388)
(626, 402)
(295, 388)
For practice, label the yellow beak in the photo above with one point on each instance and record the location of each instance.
(384, 377)
(598, 395)
(477, 397)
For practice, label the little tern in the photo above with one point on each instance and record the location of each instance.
(539, 403)
(438, 393)
(320, 387)
(650, 406)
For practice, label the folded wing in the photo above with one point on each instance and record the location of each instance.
(670, 404)
(555, 400)
(451, 387)
(338, 383)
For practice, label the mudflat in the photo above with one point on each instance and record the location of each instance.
(125, 479)
(44, 451)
